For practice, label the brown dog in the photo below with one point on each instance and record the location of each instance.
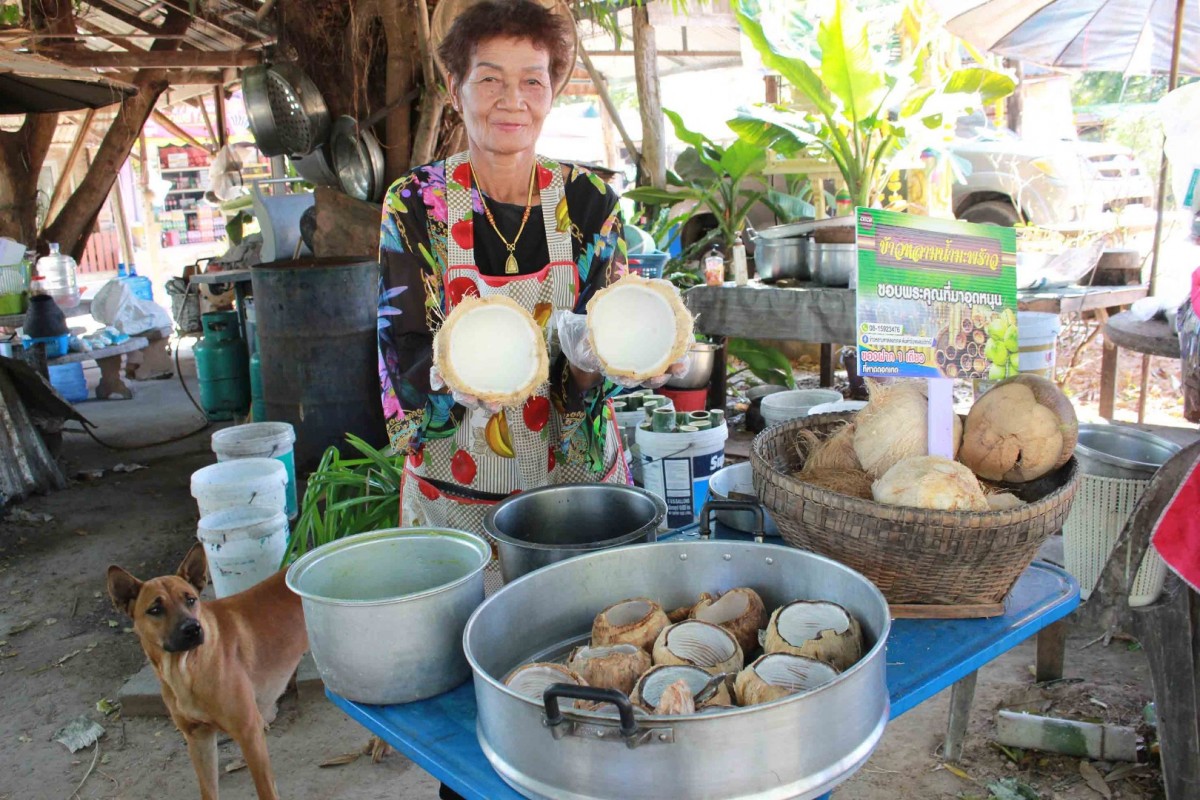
(222, 664)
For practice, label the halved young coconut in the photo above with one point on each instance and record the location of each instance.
(815, 629)
(777, 675)
(648, 691)
(739, 611)
(676, 699)
(698, 644)
(637, 622)
(491, 348)
(616, 667)
(531, 680)
(638, 327)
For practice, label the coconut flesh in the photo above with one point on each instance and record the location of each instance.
(1021, 429)
(638, 327)
(698, 644)
(739, 611)
(930, 482)
(648, 691)
(637, 622)
(815, 629)
(491, 349)
(616, 667)
(894, 425)
(777, 675)
(532, 680)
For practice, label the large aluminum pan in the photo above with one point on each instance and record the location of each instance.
(1111, 451)
(797, 747)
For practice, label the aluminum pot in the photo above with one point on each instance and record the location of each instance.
(554, 523)
(776, 259)
(701, 356)
(796, 747)
(385, 610)
(1109, 451)
(833, 264)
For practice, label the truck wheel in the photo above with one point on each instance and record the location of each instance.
(992, 212)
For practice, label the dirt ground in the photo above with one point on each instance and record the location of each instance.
(63, 650)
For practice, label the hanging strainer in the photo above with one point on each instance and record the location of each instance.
(285, 109)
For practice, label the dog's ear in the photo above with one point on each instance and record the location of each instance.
(194, 568)
(123, 589)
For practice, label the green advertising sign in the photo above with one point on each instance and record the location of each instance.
(936, 298)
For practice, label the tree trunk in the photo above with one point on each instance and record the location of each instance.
(645, 65)
(74, 224)
(434, 100)
(22, 153)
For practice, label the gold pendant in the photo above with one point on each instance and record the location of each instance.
(510, 265)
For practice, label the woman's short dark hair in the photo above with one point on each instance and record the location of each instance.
(508, 19)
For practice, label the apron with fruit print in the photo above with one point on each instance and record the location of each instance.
(491, 456)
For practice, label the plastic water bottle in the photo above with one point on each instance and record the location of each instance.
(138, 284)
(58, 272)
(121, 271)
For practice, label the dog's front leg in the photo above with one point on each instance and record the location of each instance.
(252, 739)
(202, 747)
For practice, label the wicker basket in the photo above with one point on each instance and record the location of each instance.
(917, 557)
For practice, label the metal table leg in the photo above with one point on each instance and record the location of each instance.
(961, 696)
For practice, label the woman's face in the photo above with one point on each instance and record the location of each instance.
(505, 96)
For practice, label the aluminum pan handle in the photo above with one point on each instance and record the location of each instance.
(555, 691)
(731, 505)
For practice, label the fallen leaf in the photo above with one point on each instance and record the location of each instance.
(51, 620)
(234, 766)
(10, 654)
(98, 595)
(3, 642)
(20, 627)
(23, 739)
(1012, 789)
(79, 733)
(958, 773)
(112, 623)
(337, 761)
(107, 707)
(1094, 779)
(126, 630)
(104, 759)
(1123, 771)
(67, 658)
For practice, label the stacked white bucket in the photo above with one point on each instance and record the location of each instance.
(243, 503)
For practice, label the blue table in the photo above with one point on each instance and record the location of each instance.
(924, 656)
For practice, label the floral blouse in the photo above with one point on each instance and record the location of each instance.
(412, 297)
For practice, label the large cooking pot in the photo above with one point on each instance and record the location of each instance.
(554, 523)
(796, 747)
(701, 356)
(832, 264)
(1110, 451)
(385, 610)
(776, 259)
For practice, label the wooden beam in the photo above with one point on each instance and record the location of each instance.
(222, 116)
(169, 124)
(60, 188)
(239, 32)
(121, 15)
(212, 132)
(180, 77)
(159, 59)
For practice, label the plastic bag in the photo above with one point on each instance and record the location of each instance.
(116, 305)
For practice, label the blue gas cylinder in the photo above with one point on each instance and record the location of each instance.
(222, 367)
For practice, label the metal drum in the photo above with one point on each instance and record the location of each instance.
(796, 747)
(317, 348)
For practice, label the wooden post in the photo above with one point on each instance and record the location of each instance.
(169, 124)
(434, 101)
(122, 221)
(212, 132)
(64, 179)
(645, 65)
(150, 222)
(222, 116)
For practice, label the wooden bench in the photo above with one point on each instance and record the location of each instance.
(109, 361)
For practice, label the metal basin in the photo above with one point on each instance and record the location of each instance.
(833, 264)
(701, 356)
(554, 523)
(1110, 451)
(731, 483)
(796, 747)
(385, 610)
(776, 259)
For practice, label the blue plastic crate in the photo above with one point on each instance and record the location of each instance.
(649, 265)
(55, 345)
(70, 382)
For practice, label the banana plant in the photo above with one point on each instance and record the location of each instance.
(862, 114)
(724, 180)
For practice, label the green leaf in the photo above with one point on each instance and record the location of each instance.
(789, 207)
(848, 65)
(913, 104)
(771, 127)
(766, 362)
(657, 197)
(695, 170)
(1012, 789)
(990, 85)
(793, 69)
(699, 141)
(743, 158)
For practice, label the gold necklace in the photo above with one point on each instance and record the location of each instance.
(510, 264)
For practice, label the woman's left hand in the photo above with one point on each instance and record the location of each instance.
(585, 364)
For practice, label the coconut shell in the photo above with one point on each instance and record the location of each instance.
(698, 644)
(752, 688)
(930, 482)
(676, 699)
(532, 679)
(739, 611)
(642, 629)
(838, 650)
(617, 667)
(850, 482)
(683, 322)
(834, 452)
(894, 425)
(1020, 430)
(445, 365)
(722, 698)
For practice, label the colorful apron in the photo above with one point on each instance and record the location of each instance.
(491, 456)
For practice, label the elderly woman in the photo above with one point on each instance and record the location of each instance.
(497, 219)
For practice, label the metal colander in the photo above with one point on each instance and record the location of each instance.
(286, 111)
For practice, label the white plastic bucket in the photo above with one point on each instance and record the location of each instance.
(628, 422)
(244, 545)
(782, 406)
(244, 482)
(1037, 333)
(261, 440)
(676, 467)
